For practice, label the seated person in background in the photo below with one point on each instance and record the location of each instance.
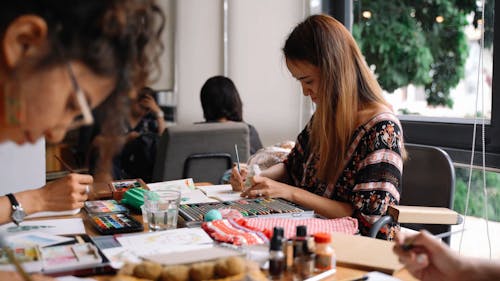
(348, 159)
(142, 129)
(145, 115)
(431, 260)
(221, 103)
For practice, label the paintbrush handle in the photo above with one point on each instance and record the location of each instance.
(409, 243)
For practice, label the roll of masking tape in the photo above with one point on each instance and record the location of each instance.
(213, 215)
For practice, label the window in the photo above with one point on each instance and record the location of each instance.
(426, 55)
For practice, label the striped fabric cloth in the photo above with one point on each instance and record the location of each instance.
(233, 232)
(259, 230)
(346, 225)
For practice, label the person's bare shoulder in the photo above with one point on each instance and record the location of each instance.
(366, 114)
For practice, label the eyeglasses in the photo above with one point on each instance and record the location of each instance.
(85, 117)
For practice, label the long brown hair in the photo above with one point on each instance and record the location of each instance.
(346, 86)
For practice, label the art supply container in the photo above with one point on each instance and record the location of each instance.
(276, 255)
(162, 209)
(325, 254)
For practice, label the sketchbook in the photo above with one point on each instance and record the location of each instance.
(365, 253)
(223, 192)
(426, 215)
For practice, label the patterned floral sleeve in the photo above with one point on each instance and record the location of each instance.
(378, 173)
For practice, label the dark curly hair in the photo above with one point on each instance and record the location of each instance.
(119, 39)
(114, 38)
(220, 99)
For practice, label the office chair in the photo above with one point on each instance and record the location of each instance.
(201, 151)
(428, 180)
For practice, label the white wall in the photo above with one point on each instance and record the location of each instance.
(22, 167)
(165, 80)
(256, 30)
(198, 53)
(271, 97)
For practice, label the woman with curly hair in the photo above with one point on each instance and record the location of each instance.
(58, 61)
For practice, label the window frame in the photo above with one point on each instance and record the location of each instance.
(456, 137)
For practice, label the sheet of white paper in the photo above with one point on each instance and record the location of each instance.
(223, 192)
(73, 278)
(196, 196)
(54, 226)
(379, 276)
(36, 238)
(173, 240)
(189, 195)
(184, 185)
(54, 214)
(119, 255)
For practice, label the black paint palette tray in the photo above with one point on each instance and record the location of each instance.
(258, 207)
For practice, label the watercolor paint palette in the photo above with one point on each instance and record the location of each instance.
(99, 207)
(70, 257)
(115, 223)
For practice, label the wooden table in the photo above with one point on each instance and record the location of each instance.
(343, 273)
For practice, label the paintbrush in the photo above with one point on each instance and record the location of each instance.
(408, 244)
(66, 166)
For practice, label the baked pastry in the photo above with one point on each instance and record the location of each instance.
(148, 270)
(202, 271)
(175, 273)
(127, 269)
(229, 267)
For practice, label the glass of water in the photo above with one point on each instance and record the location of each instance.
(162, 209)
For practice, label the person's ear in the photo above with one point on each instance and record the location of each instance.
(24, 37)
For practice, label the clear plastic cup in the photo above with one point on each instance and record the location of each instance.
(162, 209)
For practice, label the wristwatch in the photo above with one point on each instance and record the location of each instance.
(18, 213)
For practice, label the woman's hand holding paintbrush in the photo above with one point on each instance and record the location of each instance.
(238, 173)
(66, 193)
(428, 258)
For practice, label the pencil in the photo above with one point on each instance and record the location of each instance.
(237, 157)
(66, 166)
(408, 245)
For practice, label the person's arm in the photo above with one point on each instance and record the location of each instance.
(150, 103)
(67, 193)
(161, 121)
(276, 172)
(430, 259)
(267, 187)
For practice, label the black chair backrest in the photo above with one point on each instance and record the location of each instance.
(428, 180)
(195, 166)
(201, 151)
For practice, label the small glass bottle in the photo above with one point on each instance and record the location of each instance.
(276, 255)
(308, 258)
(299, 244)
(325, 254)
